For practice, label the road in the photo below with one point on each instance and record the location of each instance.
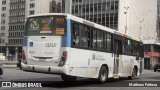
(54, 82)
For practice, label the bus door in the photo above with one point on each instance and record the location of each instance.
(117, 55)
(141, 61)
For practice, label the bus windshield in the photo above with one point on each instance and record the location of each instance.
(46, 25)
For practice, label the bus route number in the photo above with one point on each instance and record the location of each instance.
(59, 20)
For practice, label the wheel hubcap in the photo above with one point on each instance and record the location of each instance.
(103, 76)
(134, 74)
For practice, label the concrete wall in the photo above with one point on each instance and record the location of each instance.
(143, 10)
(139, 10)
(122, 16)
(68, 5)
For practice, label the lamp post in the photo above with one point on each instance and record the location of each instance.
(126, 12)
(140, 28)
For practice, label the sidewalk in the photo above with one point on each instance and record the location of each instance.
(9, 64)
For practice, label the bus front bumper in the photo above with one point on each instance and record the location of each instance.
(45, 69)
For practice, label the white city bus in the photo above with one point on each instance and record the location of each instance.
(72, 47)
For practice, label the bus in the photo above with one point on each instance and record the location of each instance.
(63, 44)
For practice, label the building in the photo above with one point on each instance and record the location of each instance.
(13, 17)
(16, 27)
(4, 19)
(37, 7)
(56, 6)
(104, 12)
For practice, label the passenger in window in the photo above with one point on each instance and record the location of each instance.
(94, 44)
(77, 40)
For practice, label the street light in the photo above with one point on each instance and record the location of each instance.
(126, 12)
(140, 28)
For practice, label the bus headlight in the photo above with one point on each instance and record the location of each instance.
(63, 58)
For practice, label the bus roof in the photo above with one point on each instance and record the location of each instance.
(95, 25)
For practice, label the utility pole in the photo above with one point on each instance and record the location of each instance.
(126, 12)
(140, 28)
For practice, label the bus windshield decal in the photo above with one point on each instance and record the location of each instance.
(46, 25)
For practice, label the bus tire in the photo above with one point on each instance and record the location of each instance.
(103, 75)
(1, 71)
(68, 78)
(134, 72)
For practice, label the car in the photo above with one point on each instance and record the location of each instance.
(19, 63)
(157, 67)
(1, 69)
(2, 57)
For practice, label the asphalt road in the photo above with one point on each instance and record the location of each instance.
(54, 82)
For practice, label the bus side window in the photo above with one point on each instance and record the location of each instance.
(129, 47)
(138, 49)
(124, 46)
(105, 38)
(75, 33)
(100, 40)
(94, 39)
(87, 36)
(84, 36)
(109, 42)
(134, 49)
(141, 50)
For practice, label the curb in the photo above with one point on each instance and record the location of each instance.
(9, 66)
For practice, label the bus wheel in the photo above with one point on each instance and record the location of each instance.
(68, 78)
(133, 74)
(103, 75)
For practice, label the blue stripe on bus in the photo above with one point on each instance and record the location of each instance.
(66, 40)
(24, 41)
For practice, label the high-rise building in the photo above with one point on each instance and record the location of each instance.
(56, 6)
(13, 17)
(16, 25)
(4, 24)
(104, 12)
(37, 7)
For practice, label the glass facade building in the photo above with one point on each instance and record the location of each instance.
(104, 12)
